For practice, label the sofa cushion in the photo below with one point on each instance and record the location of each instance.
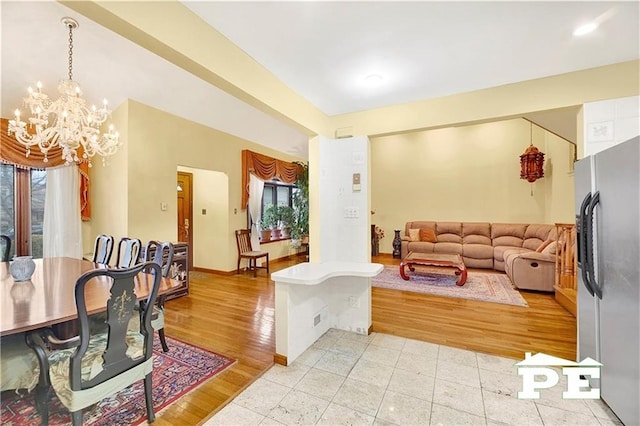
(420, 224)
(414, 235)
(428, 236)
(500, 252)
(477, 251)
(470, 262)
(420, 247)
(448, 248)
(449, 232)
(507, 241)
(536, 234)
(550, 249)
(511, 251)
(543, 245)
(507, 229)
(476, 233)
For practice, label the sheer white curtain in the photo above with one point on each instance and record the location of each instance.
(62, 227)
(256, 187)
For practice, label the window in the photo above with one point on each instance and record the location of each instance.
(22, 208)
(276, 193)
(279, 194)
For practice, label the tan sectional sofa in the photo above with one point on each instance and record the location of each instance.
(506, 247)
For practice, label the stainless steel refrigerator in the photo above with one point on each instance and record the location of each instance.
(607, 188)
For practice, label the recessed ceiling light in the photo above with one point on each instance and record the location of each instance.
(372, 80)
(585, 29)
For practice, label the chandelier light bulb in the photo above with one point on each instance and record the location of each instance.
(66, 123)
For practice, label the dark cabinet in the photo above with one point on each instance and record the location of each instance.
(179, 269)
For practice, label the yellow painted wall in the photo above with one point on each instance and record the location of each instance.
(558, 180)
(108, 194)
(469, 173)
(156, 143)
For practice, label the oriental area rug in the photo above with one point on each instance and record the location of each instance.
(175, 373)
(483, 286)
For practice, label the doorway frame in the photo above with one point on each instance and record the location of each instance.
(189, 179)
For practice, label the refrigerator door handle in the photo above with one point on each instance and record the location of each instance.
(582, 242)
(591, 270)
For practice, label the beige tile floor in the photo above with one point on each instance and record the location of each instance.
(351, 379)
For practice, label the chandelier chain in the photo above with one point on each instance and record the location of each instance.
(70, 52)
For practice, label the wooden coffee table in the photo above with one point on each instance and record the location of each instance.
(434, 259)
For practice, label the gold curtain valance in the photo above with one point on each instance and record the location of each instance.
(266, 168)
(14, 153)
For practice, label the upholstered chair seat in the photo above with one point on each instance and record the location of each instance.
(19, 364)
(92, 366)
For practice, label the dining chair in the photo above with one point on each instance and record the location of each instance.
(89, 367)
(6, 247)
(128, 252)
(162, 255)
(103, 249)
(243, 241)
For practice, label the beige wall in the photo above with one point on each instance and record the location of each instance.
(469, 173)
(155, 145)
(558, 180)
(109, 182)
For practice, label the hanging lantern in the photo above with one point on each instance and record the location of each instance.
(532, 162)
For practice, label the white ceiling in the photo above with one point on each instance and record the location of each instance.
(321, 50)
(106, 65)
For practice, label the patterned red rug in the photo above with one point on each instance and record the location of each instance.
(175, 373)
(484, 286)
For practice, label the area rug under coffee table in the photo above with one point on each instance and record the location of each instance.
(484, 286)
(175, 373)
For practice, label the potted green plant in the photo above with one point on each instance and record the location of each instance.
(270, 220)
(265, 230)
(287, 220)
(300, 228)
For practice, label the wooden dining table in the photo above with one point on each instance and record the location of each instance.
(48, 299)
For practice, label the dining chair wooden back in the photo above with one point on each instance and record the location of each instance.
(243, 242)
(6, 247)
(162, 255)
(103, 249)
(128, 252)
(108, 361)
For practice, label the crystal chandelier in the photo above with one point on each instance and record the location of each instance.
(66, 122)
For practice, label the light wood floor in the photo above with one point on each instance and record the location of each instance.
(234, 315)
